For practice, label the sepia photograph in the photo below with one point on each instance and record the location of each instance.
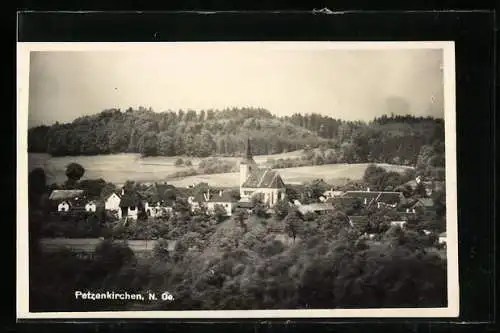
(236, 180)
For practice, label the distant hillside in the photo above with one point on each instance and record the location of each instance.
(395, 139)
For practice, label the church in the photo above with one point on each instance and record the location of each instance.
(259, 181)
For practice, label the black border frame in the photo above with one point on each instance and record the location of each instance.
(475, 41)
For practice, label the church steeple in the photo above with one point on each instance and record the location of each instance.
(248, 157)
(248, 154)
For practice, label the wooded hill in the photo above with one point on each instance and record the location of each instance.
(388, 139)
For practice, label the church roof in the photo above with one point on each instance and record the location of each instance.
(264, 178)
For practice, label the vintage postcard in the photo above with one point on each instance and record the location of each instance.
(236, 180)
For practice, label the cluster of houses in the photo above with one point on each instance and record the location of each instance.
(264, 182)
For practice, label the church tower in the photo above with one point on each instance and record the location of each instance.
(247, 164)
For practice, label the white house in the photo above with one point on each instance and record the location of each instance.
(63, 206)
(223, 199)
(91, 206)
(112, 204)
(401, 224)
(68, 199)
(332, 194)
(259, 181)
(158, 209)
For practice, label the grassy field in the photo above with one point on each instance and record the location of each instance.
(335, 174)
(119, 168)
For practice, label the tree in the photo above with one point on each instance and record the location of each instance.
(281, 209)
(258, 205)
(37, 185)
(219, 213)
(74, 172)
(160, 250)
(292, 225)
(240, 216)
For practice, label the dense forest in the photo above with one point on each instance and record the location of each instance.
(388, 139)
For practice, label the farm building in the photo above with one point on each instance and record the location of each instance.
(68, 200)
(156, 201)
(378, 198)
(359, 222)
(265, 182)
(423, 203)
(210, 200)
(317, 208)
(332, 194)
(400, 224)
(223, 199)
(130, 204)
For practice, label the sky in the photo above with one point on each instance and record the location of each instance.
(341, 83)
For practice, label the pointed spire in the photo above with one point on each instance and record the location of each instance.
(249, 149)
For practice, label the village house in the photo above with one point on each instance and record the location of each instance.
(112, 204)
(210, 199)
(332, 194)
(69, 200)
(378, 199)
(423, 204)
(317, 208)
(400, 224)
(264, 182)
(359, 222)
(221, 198)
(130, 204)
(155, 202)
(91, 206)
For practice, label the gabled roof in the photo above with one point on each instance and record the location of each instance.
(118, 194)
(264, 178)
(359, 222)
(315, 207)
(424, 202)
(225, 196)
(375, 196)
(66, 194)
(130, 199)
(245, 204)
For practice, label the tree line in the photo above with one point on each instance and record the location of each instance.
(389, 139)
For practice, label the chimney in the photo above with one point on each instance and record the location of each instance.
(220, 193)
(123, 191)
(367, 189)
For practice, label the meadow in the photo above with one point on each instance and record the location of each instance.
(118, 168)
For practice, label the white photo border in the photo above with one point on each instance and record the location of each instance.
(452, 309)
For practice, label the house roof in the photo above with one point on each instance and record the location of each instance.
(245, 204)
(225, 196)
(424, 202)
(130, 199)
(264, 178)
(315, 207)
(443, 234)
(156, 194)
(66, 194)
(359, 222)
(375, 196)
(118, 194)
